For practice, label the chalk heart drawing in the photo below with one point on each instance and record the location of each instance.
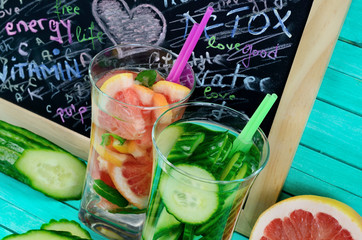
(142, 24)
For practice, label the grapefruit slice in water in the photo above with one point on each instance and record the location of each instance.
(133, 180)
(308, 217)
(123, 118)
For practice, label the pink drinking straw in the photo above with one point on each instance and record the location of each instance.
(182, 52)
(189, 46)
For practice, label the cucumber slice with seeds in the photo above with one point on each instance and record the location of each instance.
(42, 235)
(189, 201)
(65, 225)
(56, 174)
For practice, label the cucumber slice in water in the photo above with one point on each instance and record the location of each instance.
(233, 166)
(168, 138)
(188, 200)
(170, 236)
(212, 152)
(185, 146)
(56, 174)
(244, 171)
(166, 225)
(241, 165)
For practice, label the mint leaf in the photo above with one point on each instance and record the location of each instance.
(106, 139)
(147, 77)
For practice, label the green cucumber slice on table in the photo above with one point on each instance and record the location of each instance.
(189, 201)
(42, 235)
(56, 174)
(26, 137)
(65, 225)
(17, 144)
(10, 144)
(7, 160)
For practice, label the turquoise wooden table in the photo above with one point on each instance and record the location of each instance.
(327, 163)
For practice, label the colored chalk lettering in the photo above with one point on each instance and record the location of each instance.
(71, 111)
(210, 94)
(41, 71)
(65, 9)
(9, 12)
(5, 45)
(85, 35)
(34, 26)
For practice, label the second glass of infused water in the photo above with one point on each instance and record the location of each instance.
(200, 181)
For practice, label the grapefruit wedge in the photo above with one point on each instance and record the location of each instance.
(123, 118)
(116, 83)
(133, 180)
(308, 217)
(172, 91)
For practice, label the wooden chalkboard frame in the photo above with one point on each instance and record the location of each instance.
(311, 60)
(318, 40)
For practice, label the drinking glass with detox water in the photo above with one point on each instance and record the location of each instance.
(129, 92)
(200, 180)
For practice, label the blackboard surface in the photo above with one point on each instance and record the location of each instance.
(245, 52)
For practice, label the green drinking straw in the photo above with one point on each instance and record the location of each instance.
(244, 141)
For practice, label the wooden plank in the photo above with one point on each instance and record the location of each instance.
(237, 236)
(351, 30)
(300, 183)
(328, 170)
(32, 201)
(27, 209)
(347, 58)
(71, 141)
(335, 132)
(342, 91)
(284, 195)
(317, 43)
(4, 232)
(24, 209)
(17, 219)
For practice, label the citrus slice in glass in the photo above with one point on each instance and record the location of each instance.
(133, 180)
(121, 115)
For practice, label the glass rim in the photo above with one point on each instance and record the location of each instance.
(93, 82)
(186, 174)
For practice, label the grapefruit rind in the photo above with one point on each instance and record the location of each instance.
(172, 91)
(347, 217)
(129, 147)
(160, 101)
(116, 83)
(145, 94)
(121, 184)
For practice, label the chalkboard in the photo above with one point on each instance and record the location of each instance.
(245, 52)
